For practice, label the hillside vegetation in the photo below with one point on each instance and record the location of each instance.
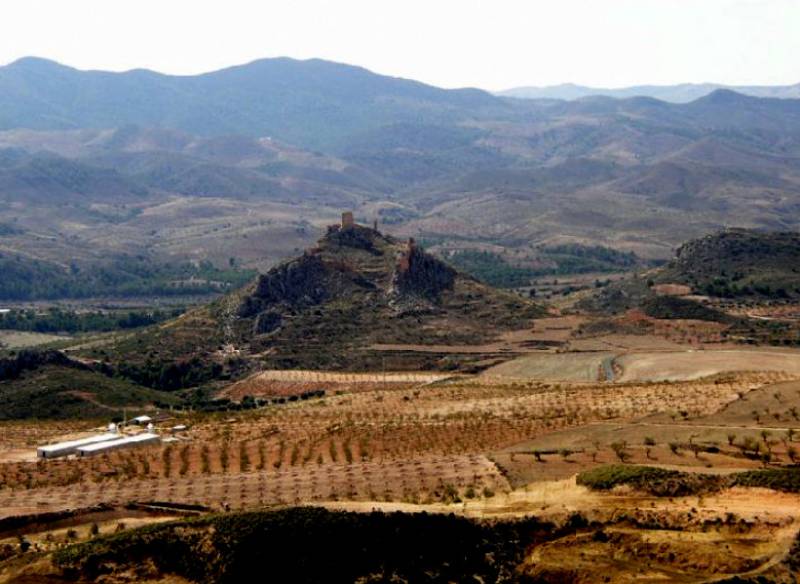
(26, 278)
(739, 263)
(673, 483)
(48, 385)
(495, 270)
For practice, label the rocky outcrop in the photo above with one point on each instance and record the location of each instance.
(421, 275)
(297, 284)
(319, 275)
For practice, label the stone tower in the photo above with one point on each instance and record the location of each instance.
(347, 219)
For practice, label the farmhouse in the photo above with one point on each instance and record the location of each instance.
(71, 446)
(126, 442)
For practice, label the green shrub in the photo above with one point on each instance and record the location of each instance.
(656, 481)
(778, 479)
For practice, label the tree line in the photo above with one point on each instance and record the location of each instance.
(57, 320)
(126, 276)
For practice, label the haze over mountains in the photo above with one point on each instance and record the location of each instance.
(253, 162)
(679, 93)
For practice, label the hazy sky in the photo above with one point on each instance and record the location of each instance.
(494, 44)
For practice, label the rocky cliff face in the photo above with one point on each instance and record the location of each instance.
(297, 283)
(419, 274)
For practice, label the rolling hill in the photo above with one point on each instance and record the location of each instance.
(48, 385)
(326, 309)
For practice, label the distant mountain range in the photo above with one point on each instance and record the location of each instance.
(309, 103)
(252, 163)
(680, 93)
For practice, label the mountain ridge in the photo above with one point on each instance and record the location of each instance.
(256, 99)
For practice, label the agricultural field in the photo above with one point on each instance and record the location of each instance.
(553, 367)
(512, 443)
(295, 382)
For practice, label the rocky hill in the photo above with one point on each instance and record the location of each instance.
(728, 265)
(327, 309)
(739, 262)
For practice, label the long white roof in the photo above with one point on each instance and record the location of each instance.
(72, 444)
(146, 437)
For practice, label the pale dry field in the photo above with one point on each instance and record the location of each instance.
(295, 382)
(336, 377)
(22, 339)
(551, 367)
(688, 365)
(630, 358)
(619, 342)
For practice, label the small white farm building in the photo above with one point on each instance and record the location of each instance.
(71, 446)
(126, 442)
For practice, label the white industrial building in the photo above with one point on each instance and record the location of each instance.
(71, 446)
(126, 442)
